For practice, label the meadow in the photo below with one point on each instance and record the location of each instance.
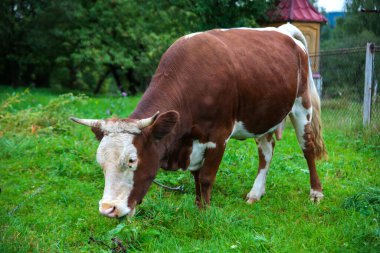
(50, 187)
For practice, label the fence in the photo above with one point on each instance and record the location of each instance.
(341, 80)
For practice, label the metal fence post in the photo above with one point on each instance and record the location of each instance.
(374, 96)
(369, 60)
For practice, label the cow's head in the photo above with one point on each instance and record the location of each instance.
(129, 155)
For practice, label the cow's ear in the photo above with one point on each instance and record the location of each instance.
(98, 133)
(164, 124)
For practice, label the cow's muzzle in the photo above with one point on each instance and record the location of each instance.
(115, 210)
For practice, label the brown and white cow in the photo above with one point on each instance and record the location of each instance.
(209, 87)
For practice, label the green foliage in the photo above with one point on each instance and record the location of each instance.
(226, 13)
(343, 72)
(366, 202)
(42, 119)
(78, 44)
(356, 28)
(50, 187)
(357, 21)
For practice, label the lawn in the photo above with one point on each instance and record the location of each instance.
(51, 184)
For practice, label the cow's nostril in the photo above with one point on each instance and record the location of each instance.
(111, 210)
(107, 209)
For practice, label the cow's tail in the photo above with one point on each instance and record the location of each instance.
(294, 32)
(316, 121)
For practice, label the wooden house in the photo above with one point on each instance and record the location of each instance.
(302, 14)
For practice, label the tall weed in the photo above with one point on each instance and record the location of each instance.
(38, 119)
(366, 202)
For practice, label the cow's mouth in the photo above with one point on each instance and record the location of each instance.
(115, 210)
(110, 212)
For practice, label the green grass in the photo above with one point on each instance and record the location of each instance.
(50, 188)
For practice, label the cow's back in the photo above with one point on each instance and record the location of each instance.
(268, 66)
(221, 77)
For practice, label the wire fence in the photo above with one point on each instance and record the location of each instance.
(342, 73)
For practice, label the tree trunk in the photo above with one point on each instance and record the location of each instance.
(132, 82)
(43, 79)
(117, 79)
(101, 81)
(15, 73)
(73, 76)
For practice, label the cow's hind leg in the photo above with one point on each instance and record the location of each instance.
(301, 118)
(265, 146)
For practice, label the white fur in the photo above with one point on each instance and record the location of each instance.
(258, 188)
(192, 35)
(120, 127)
(241, 133)
(316, 195)
(266, 148)
(273, 29)
(298, 116)
(197, 154)
(113, 155)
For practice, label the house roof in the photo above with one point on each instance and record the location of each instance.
(295, 10)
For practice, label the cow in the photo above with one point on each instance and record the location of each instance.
(209, 87)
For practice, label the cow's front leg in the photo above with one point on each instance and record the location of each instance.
(207, 173)
(198, 198)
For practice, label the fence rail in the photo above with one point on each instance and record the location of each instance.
(343, 51)
(342, 76)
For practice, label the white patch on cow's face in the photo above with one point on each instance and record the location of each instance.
(197, 154)
(118, 157)
(120, 127)
(192, 35)
(299, 112)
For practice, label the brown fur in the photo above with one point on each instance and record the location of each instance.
(212, 80)
(206, 83)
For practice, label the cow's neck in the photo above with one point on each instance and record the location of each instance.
(162, 96)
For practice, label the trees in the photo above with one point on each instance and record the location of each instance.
(35, 36)
(344, 73)
(357, 21)
(86, 43)
(357, 27)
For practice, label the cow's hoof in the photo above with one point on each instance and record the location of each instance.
(316, 196)
(253, 196)
(252, 200)
(200, 205)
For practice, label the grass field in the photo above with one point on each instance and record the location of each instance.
(50, 188)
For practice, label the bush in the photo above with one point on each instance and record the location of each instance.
(51, 118)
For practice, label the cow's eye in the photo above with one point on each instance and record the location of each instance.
(132, 160)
